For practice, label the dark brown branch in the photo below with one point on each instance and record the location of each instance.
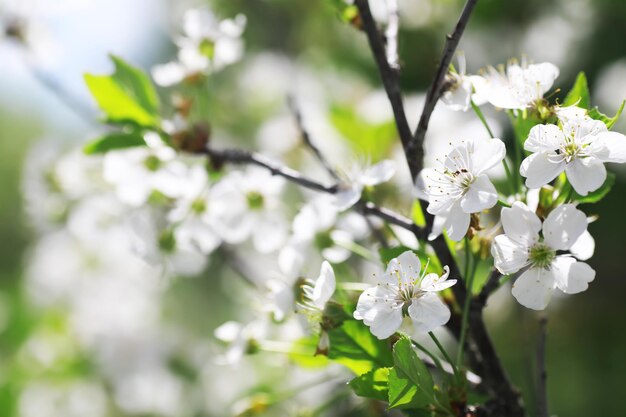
(415, 148)
(542, 375)
(389, 77)
(492, 284)
(306, 137)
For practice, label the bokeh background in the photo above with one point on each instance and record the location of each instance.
(587, 341)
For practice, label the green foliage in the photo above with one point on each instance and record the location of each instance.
(370, 140)
(372, 384)
(353, 346)
(117, 140)
(347, 12)
(127, 97)
(410, 383)
(303, 350)
(522, 125)
(579, 94)
(608, 121)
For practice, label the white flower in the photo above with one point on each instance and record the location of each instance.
(207, 45)
(520, 87)
(192, 215)
(459, 91)
(358, 178)
(403, 291)
(522, 247)
(247, 204)
(461, 186)
(241, 339)
(318, 293)
(579, 148)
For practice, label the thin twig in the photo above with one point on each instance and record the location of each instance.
(415, 150)
(542, 392)
(306, 137)
(388, 75)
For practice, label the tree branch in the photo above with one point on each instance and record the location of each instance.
(415, 148)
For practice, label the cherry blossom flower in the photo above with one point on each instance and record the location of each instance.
(580, 148)
(247, 204)
(517, 88)
(402, 291)
(357, 178)
(459, 91)
(207, 45)
(460, 186)
(522, 247)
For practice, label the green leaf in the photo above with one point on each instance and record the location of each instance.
(302, 353)
(579, 94)
(372, 384)
(522, 126)
(608, 121)
(410, 383)
(598, 194)
(371, 140)
(127, 96)
(353, 346)
(118, 140)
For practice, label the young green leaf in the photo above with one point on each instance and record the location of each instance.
(372, 384)
(127, 96)
(579, 94)
(410, 383)
(353, 346)
(608, 121)
(111, 141)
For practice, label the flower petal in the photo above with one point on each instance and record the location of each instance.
(521, 224)
(586, 174)
(572, 276)
(508, 255)
(584, 247)
(324, 286)
(614, 144)
(563, 226)
(533, 288)
(379, 173)
(544, 138)
(408, 265)
(486, 154)
(480, 195)
(540, 168)
(433, 282)
(457, 223)
(346, 198)
(428, 312)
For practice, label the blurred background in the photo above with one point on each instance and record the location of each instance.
(47, 362)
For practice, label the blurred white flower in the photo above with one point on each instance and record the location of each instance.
(460, 185)
(459, 91)
(240, 339)
(580, 148)
(248, 204)
(50, 399)
(357, 178)
(207, 45)
(403, 291)
(522, 247)
(520, 87)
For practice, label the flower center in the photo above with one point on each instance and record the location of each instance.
(167, 241)
(198, 206)
(207, 48)
(541, 255)
(462, 178)
(152, 163)
(255, 200)
(323, 240)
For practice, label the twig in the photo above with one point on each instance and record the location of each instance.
(415, 149)
(306, 137)
(492, 284)
(391, 34)
(389, 77)
(542, 392)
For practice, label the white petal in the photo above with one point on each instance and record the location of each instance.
(584, 247)
(521, 224)
(438, 223)
(615, 146)
(387, 322)
(541, 168)
(433, 282)
(509, 256)
(543, 74)
(168, 74)
(428, 312)
(486, 154)
(336, 254)
(324, 286)
(458, 98)
(457, 223)
(269, 232)
(544, 138)
(586, 174)
(407, 265)
(346, 198)
(379, 173)
(228, 332)
(533, 288)
(563, 226)
(480, 195)
(571, 276)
